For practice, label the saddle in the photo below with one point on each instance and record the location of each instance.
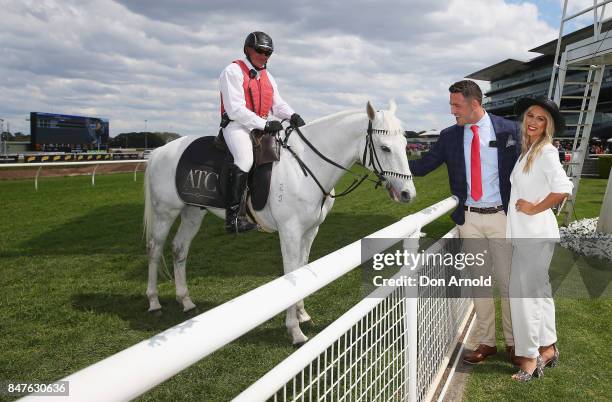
(266, 149)
(201, 174)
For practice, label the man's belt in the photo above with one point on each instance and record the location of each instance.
(489, 210)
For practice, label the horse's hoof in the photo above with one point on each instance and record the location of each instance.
(299, 344)
(156, 313)
(309, 322)
(192, 312)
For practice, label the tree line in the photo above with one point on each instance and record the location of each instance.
(123, 140)
(137, 139)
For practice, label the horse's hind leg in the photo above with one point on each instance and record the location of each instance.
(159, 232)
(191, 219)
(307, 240)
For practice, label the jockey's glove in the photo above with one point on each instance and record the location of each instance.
(296, 120)
(273, 126)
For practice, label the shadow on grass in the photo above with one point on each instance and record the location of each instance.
(496, 364)
(275, 334)
(133, 309)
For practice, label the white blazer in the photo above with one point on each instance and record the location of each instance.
(546, 176)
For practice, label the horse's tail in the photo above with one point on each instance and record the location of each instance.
(147, 220)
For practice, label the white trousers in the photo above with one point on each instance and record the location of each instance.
(239, 143)
(531, 303)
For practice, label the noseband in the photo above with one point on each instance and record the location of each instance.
(374, 161)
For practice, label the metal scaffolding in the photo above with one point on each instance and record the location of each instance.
(589, 58)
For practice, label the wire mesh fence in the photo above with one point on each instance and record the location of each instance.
(367, 353)
(366, 363)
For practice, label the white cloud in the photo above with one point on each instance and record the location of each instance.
(157, 60)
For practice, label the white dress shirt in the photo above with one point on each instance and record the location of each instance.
(546, 176)
(232, 93)
(491, 196)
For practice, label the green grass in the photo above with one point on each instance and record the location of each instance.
(73, 276)
(589, 198)
(583, 329)
(73, 279)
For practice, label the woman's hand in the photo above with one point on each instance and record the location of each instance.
(525, 207)
(550, 201)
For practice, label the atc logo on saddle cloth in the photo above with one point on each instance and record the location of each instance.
(201, 174)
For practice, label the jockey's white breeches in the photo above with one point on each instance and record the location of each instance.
(239, 143)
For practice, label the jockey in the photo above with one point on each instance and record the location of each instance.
(248, 95)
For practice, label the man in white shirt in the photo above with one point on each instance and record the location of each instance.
(248, 95)
(479, 152)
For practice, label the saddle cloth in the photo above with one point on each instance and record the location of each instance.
(201, 176)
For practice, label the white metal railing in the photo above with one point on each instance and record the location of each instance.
(139, 368)
(40, 165)
(393, 345)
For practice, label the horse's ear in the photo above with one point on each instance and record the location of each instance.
(371, 111)
(392, 106)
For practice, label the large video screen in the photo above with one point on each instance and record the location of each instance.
(68, 131)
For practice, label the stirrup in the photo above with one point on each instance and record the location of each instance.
(236, 223)
(243, 226)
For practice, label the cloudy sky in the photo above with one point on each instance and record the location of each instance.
(131, 61)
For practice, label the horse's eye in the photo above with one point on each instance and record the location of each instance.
(385, 148)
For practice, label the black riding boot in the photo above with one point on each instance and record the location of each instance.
(234, 221)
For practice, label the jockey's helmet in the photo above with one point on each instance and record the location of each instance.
(260, 41)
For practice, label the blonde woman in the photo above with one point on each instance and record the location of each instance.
(538, 183)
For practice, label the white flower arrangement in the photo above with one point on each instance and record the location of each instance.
(581, 237)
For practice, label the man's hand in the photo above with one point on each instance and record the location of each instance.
(273, 126)
(296, 120)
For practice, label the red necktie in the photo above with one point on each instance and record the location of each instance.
(476, 188)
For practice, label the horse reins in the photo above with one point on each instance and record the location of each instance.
(357, 179)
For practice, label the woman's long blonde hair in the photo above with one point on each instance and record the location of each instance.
(536, 147)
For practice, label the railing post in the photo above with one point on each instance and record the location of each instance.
(36, 178)
(135, 170)
(411, 244)
(93, 176)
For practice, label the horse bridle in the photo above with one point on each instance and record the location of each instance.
(378, 171)
(369, 149)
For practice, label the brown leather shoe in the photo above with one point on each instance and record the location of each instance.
(514, 359)
(479, 354)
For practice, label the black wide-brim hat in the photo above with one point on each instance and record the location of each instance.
(524, 103)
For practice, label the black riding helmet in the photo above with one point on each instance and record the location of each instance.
(260, 41)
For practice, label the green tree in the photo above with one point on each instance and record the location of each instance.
(136, 140)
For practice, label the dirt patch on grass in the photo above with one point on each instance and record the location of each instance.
(51, 171)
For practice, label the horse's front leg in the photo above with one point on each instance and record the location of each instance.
(307, 240)
(291, 242)
(191, 219)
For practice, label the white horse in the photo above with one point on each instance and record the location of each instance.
(296, 204)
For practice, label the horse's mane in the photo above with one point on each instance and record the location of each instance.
(335, 116)
(393, 128)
